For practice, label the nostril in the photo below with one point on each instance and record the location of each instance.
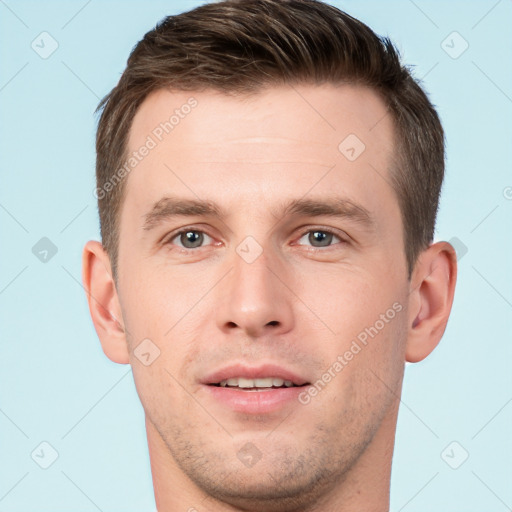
(273, 322)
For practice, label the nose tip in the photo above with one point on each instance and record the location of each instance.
(255, 301)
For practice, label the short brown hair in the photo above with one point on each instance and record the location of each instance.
(242, 46)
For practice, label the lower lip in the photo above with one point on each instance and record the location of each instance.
(255, 402)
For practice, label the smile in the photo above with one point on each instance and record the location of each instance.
(256, 384)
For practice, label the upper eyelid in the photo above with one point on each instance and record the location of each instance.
(173, 234)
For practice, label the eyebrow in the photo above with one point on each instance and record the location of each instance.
(169, 207)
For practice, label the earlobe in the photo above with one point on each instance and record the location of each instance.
(431, 299)
(103, 302)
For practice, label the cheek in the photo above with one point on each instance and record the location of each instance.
(161, 321)
(376, 370)
(157, 393)
(153, 303)
(349, 301)
(366, 332)
(162, 387)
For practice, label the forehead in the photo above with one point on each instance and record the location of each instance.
(279, 142)
(325, 113)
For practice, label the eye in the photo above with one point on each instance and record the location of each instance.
(189, 238)
(320, 237)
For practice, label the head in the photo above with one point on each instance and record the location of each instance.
(268, 178)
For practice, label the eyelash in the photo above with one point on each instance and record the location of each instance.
(175, 235)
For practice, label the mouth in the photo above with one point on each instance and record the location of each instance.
(268, 376)
(259, 390)
(260, 384)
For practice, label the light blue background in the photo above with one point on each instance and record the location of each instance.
(55, 383)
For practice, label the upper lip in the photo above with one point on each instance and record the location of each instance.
(253, 372)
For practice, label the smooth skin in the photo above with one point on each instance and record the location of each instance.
(300, 304)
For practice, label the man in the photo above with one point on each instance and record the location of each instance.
(268, 177)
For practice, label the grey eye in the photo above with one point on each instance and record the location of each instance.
(191, 239)
(319, 238)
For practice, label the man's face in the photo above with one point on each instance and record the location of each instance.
(263, 291)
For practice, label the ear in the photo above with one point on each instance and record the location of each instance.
(103, 302)
(430, 299)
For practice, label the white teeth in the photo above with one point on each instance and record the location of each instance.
(245, 383)
(266, 382)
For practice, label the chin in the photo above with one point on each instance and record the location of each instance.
(257, 491)
(283, 482)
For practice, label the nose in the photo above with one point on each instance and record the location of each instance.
(255, 299)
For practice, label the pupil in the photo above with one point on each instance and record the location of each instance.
(322, 237)
(191, 239)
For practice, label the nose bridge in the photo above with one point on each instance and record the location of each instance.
(255, 301)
